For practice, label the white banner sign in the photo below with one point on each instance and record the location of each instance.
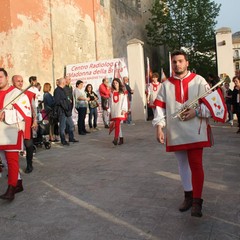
(94, 72)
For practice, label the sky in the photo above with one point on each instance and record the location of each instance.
(229, 15)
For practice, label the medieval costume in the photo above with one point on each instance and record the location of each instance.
(118, 113)
(13, 130)
(186, 138)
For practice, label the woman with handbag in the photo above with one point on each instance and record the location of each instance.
(93, 107)
(118, 109)
(49, 103)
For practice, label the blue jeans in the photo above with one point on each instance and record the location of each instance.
(62, 125)
(92, 115)
(70, 128)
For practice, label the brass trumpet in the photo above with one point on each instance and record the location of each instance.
(194, 103)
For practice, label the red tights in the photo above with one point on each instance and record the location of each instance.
(117, 128)
(195, 163)
(13, 167)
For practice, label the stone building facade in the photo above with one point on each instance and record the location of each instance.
(41, 37)
(228, 52)
(236, 52)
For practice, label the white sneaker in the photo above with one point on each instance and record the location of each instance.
(231, 122)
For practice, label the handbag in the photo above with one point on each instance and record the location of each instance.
(93, 104)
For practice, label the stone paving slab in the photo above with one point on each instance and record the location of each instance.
(93, 190)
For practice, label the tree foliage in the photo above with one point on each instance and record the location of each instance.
(187, 24)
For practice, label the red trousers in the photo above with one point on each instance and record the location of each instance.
(195, 163)
(13, 167)
(117, 128)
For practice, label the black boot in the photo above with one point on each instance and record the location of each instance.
(197, 207)
(115, 141)
(9, 194)
(28, 169)
(19, 187)
(187, 203)
(120, 141)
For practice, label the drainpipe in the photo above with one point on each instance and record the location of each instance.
(51, 33)
(95, 30)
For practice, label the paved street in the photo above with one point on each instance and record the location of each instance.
(93, 190)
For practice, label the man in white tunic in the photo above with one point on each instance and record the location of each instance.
(186, 136)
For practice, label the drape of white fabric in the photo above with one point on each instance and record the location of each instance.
(159, 117)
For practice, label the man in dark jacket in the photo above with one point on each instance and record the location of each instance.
(63, 109)
(69, 121)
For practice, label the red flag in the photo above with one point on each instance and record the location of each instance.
(117, 70)
(24, 108)
(216, 105)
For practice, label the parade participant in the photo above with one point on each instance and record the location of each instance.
(118, 109)
(152, 92)
(12, 117)
(129, 93)
(34, 89)
(104, 91)
(186, 138)
(17, 81)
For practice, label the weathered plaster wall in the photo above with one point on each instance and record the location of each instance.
(126, 25)
(41, 37)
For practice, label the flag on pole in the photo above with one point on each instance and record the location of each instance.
(148, 71)
(170, 65)
(23, 106)
(216, 105)
(163, 76)
(117, 70)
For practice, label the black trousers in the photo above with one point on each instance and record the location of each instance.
(29, 151)
(82, 111)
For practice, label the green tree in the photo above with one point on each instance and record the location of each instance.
(187, 24)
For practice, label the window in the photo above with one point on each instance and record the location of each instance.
(236, 53)
(237, 65)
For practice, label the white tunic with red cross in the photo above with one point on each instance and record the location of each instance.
(172, 97)
(17, 116)
(118, 104)
(153, 90)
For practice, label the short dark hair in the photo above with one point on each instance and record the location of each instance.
(32, 78)
(156, 75)
(236, 77)
(78, 82)
(4, 72)
(179, 52)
